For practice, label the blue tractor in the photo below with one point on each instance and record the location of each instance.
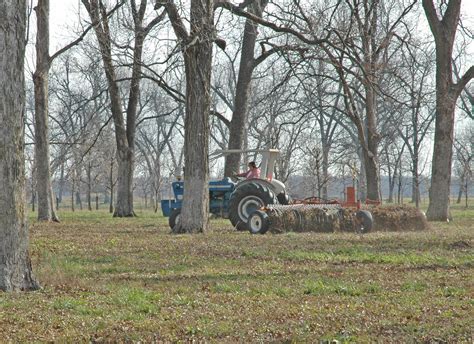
(234, 200)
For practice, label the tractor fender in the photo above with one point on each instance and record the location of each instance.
(278, 187)
(275, 185)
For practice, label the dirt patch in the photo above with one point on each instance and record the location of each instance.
(460, 245)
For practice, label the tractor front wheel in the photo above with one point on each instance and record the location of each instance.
(174, 218)
(246, 199)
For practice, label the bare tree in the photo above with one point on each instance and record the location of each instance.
(44, 61)
(414, 123)
(78, 105)
(196, 47)
(124, 130)
(443, 24)
(322, 97)
(15, 265)
(392, 155)
(152, 141)
(362, 60)
(46, 210)
(316, 178)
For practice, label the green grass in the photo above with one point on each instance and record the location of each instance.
(126, 280)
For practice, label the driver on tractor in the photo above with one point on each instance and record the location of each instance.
(252, 173)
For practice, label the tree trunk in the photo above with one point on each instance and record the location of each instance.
(391, 187)
(156, 185)
(461, 189)
(52, 200)
(362, 180)
(198, 66)
(372, 177)
(417, 191)
(61, 183)
(438, 209)
(124, 197)
(78, 198)
(89, 186)
(73, 190)
(371, 153)
(413, 188)
(325, 170)
(156, 201)
(15, 265)
(416, 180)
(391, 176)
(466, 192)
(111, 202)
(46, 210)
(242, 91)
(399, 189)
(111, 185)
(317, 169)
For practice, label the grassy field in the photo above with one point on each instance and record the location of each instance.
(128, 280)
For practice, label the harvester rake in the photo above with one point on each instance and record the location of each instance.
(302, 217)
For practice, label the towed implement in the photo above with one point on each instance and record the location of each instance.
(314, 215)
(324, 218)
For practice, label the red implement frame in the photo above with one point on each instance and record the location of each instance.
(350, 201)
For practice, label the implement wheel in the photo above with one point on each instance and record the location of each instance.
(246, 199)
(363, 221)
(258, 222)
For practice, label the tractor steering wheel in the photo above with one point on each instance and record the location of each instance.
(236, 178)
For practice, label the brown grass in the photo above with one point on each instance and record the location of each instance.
(129, 280)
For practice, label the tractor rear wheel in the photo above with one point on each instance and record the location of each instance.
(245, 200)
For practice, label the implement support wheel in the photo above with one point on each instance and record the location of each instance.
(258, 222)
(363, 221)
